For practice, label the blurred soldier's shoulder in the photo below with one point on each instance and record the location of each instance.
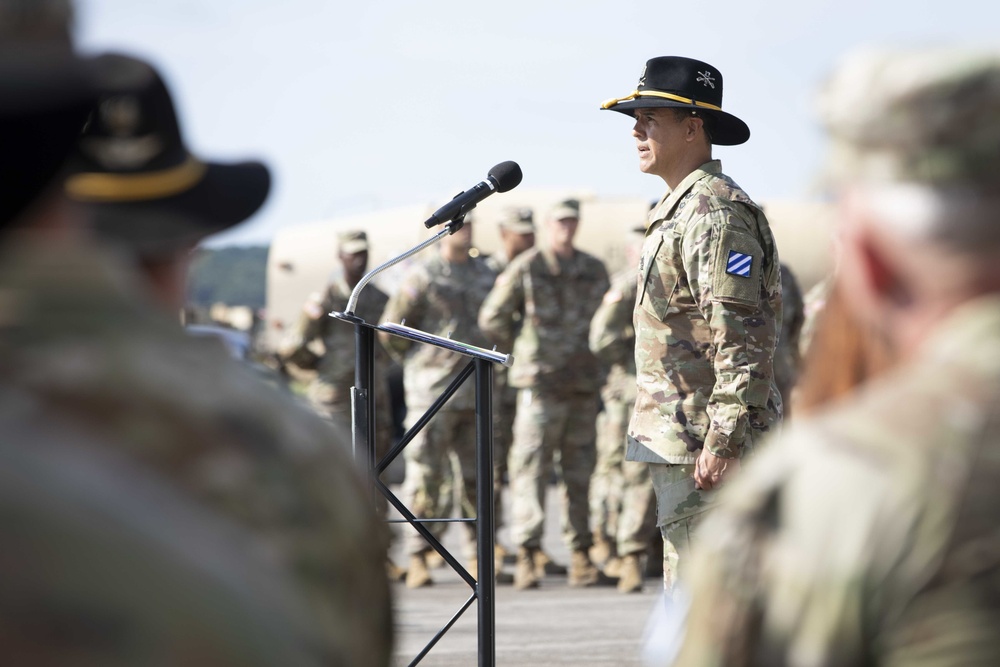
(106, 562)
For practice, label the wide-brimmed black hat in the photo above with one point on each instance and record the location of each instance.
(45, 96)
(673, 81)
(144, 187)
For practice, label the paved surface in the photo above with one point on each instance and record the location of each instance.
(554, 625)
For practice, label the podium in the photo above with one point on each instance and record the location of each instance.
(480, 370)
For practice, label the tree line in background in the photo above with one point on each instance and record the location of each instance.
(235, 276)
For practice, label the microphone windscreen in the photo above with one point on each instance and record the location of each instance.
(507, 175)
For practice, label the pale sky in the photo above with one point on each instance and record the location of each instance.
(359, 106)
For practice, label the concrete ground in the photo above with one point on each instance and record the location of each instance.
(553, 625)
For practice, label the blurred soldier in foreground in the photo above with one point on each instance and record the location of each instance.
(517, 234)
(555, 291)
(104, 561)
(441, 296)
(867, 534)
(85, 343)
(709, 301)
(623, 511)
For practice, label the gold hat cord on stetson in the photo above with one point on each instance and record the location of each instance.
(655, 93)
(103, 187)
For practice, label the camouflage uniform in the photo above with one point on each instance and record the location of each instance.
(853, 535)
(787, 358)
(706, 325)
(442, 298)
(332, 343)
(504, 408)
(79, 344)
(867, 535)
(105, 563)
(558, 379)
(619, 486)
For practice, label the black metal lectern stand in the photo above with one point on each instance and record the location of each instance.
(480, 367)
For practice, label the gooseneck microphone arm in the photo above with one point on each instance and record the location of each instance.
(450, 228)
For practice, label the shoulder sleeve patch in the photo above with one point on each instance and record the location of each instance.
(738, 260)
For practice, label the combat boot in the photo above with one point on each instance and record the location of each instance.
(434, 560)
(502, 556)
(583, 573)
(545, 565)
(631, 575)
(613, 568)
(525, 574)
(418, 576)
(602, 551)
(394, 572)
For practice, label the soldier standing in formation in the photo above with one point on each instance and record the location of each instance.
(327, 345)
(440, 296)
(619, 487)
(555, 291)
(517, 234)
(866, 535)
(787, 356)
(94, 343)
(708, 310)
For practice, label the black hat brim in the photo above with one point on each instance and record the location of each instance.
(225, 196)
(728, 130)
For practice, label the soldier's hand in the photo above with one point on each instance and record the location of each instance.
(709, 470)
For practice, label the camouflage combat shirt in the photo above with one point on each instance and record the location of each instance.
(441, 298)
(106, 563)
(612, 338)
(556, 299)
(336, 365)
(76, 334)
(866, 535)
(707, 317)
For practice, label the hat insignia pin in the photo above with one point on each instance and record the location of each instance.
(706, 79)
(642, 77)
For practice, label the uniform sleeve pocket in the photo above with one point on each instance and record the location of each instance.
(736, 277)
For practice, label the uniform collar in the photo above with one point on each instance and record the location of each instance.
(670, 200)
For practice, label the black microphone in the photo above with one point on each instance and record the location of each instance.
(501, 178)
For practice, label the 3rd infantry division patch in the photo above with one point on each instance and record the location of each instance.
(739, 264)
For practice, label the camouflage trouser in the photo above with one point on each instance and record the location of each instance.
(544, 426)
(679, 509)
(606, 485)
(504, 409)
(621, 495)
(334, 404)
(447, 443)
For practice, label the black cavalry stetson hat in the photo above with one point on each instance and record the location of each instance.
(45, 95)
(673, 81)
(132, 168)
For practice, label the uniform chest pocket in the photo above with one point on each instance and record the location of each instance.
(660, 276)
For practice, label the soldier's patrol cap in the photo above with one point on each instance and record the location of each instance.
(144, 188)
(518, 220)
(352, 242)
(684, 83)
(928, 117)
(568, 208)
